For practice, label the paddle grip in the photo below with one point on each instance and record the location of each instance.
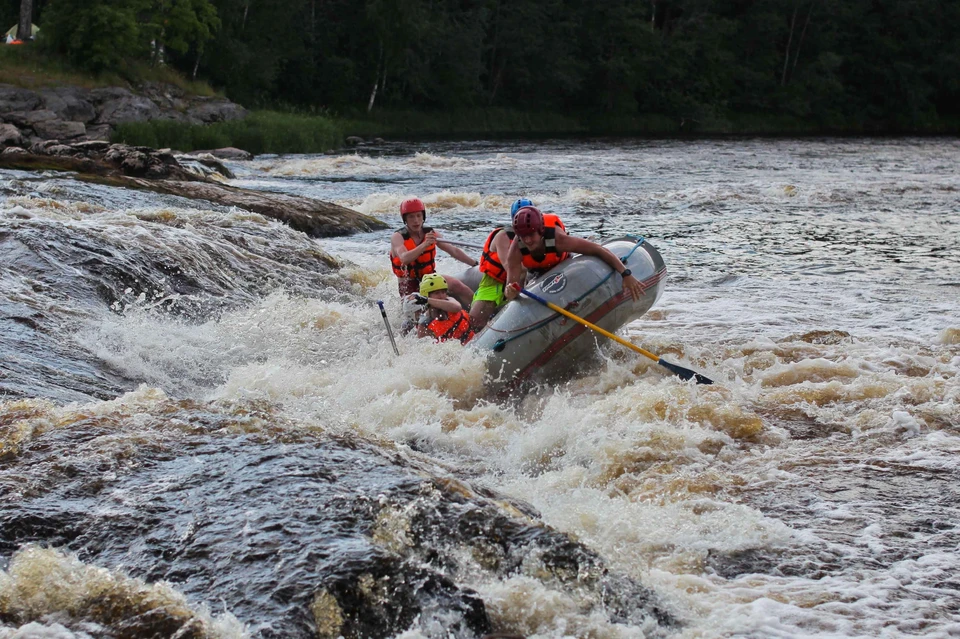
(534, 296)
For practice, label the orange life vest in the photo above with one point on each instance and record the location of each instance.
(490, 262)
(456, 326)
(420, 266)
(551, 257)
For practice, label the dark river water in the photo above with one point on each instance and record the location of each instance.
(204, 431)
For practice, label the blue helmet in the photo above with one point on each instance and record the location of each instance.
(519, 204)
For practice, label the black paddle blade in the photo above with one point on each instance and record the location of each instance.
(684, 373)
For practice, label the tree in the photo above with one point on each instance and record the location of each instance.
(24, 31)
(98, 35)
(181, 24)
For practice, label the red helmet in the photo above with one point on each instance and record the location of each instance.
(528, 220)
(413, 205)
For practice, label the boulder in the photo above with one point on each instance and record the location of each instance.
(168, 97)
(99, 132)
(69, 103)
(108, 94)
(59, 129)
(209, 110)
(353, 140)
(134, 163)
(40, 147)
(226, 153)
(134, 108)
(14, 150)
(93, 146)
(17, 99)
(64, 150)
(27, 119)
(10, 135)
(205, 165)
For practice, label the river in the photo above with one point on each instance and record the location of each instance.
(204, 425)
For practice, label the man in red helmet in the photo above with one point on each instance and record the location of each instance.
(413, 251)
(539, 246)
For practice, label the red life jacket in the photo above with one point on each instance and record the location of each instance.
(456, 326)
(551, 257)
(490, 262)
(419, 267)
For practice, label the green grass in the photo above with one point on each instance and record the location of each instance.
(260, 132)
(31, 67)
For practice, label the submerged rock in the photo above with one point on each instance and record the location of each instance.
(298, 534)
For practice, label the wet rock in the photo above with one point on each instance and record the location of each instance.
(506, 544)
(10, 135)
(291, 531)
(386, 596)
(146, 168)
(92, 146)
(226, 153)
(17, 99)
(205, 164)
(63, 150)
(40, 147)
(14, 150)
(134, 163)
(353, 140)
(59, 129)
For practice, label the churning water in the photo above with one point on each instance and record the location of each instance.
(205, 432)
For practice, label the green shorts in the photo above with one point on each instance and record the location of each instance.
(490, 290)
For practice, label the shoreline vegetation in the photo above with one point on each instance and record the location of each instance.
(294, 130)
(281, 132)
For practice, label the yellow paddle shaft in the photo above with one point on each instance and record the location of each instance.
(596, 328)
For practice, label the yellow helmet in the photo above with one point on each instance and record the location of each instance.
(432, 282)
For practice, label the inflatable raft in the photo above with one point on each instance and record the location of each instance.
(527, 342)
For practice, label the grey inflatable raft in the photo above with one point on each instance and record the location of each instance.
(528, 342)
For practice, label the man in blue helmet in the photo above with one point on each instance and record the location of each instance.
(489, 296)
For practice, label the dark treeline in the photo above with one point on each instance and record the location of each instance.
(851, 65)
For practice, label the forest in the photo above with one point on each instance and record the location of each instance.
(851, 66)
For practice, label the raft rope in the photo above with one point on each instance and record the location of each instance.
(503, 341)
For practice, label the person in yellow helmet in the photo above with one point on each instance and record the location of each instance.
(444, 317)
(413, 251)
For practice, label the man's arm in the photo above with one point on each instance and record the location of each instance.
(456, 253)
(572, 244)
(407, 257)
(515, 275)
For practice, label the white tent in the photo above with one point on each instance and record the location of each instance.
(12, 31)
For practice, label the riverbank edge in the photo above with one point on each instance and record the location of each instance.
(282, 133)
(193, 178)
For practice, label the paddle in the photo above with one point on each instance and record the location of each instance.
(680, 371)
(463, 244)
(383, 312)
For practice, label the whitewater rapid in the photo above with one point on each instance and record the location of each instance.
(811, 492)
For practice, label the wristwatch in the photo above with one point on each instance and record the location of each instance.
(626, 272)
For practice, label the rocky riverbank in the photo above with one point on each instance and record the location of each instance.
(72, 113)
(199, 178)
